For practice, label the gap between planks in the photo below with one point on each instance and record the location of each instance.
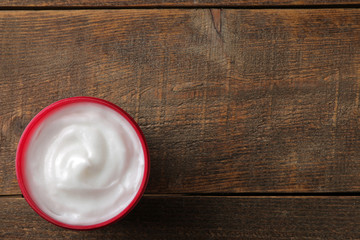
(239, 196)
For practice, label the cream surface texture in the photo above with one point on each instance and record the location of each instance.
(84, 164)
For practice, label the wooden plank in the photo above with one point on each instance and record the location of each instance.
(204, 218)
(265, 101)
(170, 3)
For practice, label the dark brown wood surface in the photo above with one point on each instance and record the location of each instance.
(244, 111)
(170, 3)
(267, 101)
(170, 217)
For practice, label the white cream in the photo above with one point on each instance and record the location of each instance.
(84, 164)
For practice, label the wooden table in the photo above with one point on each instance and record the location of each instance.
(250, 108)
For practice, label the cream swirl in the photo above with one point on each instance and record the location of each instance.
(84, 164)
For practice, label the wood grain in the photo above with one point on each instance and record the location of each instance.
(269, 102)
(170, 3)
(203, 218)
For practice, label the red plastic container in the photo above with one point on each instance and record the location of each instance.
(31, 128)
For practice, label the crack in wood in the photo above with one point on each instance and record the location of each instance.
(216, 19)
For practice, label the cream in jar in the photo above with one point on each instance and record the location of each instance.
(84, 164)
